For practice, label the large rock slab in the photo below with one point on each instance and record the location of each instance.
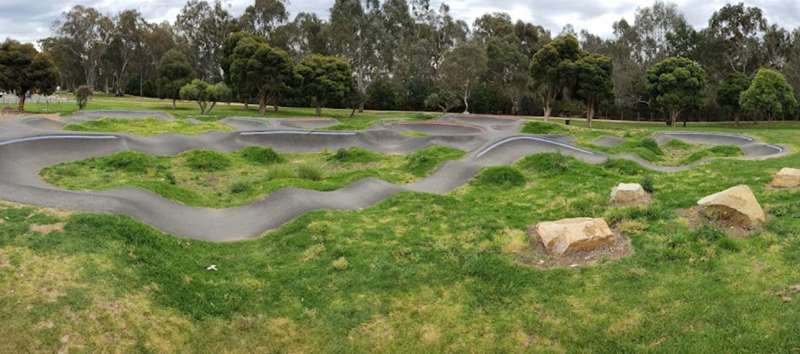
(787, 178)
(568, 236)
(735, 207)
(629, 194)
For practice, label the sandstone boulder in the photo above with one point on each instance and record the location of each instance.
(736, 207)
(629, 194)
(567, 236)
(787, 178)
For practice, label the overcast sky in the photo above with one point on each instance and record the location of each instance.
(28, 20)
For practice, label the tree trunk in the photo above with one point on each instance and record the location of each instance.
(317, 106)
(674, 117)
(213, 104)
(589, 115)
(21, 103)
(361, 106)
(466, 101)
(174, 106)
(262, 104)
(736, 119)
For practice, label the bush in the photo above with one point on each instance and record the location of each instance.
(549, 163)
(206, 160)
(502, 176)
(309, 172)
(541, 128)
(652, 145)
(647, 184)
(129, 161)
(355, 154)
(82, 95)
(240, 187)
(623, 167)
(423, 162)
(678, 144)
(261, 155)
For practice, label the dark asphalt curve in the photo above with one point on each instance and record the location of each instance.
(29, 145)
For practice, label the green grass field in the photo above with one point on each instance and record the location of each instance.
(418, 272)
(216, 180)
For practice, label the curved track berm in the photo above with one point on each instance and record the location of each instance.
(31, 144)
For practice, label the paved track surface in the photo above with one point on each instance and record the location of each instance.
(30, 144)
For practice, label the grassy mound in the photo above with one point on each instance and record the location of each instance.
(206, 160)
(261, 155)
(542, 128)
(354, 155)
(423, 162)
(503, 176)
(211, 179)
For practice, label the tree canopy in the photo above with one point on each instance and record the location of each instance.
(324, 79)
(174, 72)
(769, 95)
(550, 68)
(206, 95)
(24, 71)
(676, 84)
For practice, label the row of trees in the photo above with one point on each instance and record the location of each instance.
(405, 54)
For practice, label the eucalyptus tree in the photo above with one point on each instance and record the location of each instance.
(264, 17)
(87, 34)
(174, 71)
(205, 27)
(738, 29)
(550, 69)
(355, 27)
(462, 69)
(127, 42)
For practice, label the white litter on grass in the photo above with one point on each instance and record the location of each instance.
(212, 268)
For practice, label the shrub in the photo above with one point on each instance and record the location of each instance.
(355, 154)
(309, 172)
(647, 184)
(206, 160)
(678, 144)
(129, 161)
(501, 176)
(424, 161)
(82, 95)
(548, 164)
(261, 155)
(240, 187)
(541, 128)
(623, 167)
(652, 145)
(719, 150)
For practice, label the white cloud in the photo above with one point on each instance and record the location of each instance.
(31, 20)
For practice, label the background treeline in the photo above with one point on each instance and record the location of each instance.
(404, 54)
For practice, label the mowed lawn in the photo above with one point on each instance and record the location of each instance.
(418, 272)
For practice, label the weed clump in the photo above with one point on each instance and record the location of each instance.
(501, 177)
(240, 187)
(207, 161)
(623, 167)
(648, 184)
(549, 164)
(423, 162)
(309, 172)
(355, 154)
(261, 155)
(541, 128)
(129, 161)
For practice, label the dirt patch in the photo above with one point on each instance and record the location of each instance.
(46, 229)
(536, 254)
(788, 294)
(731, 227)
